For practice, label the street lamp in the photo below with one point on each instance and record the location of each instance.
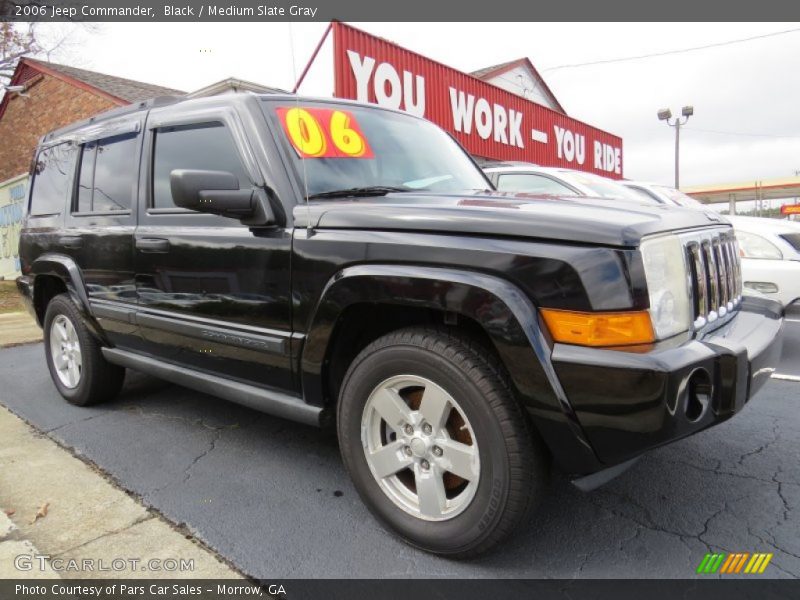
(665, 115)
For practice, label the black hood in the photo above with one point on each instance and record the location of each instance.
(572, 218)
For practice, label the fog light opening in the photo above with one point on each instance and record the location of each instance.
(698, 396)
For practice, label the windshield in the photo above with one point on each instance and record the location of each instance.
(350, 148)
(605, 188)
(678, 197)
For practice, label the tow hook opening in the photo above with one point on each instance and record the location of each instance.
(698, 394)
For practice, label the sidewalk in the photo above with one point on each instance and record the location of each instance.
(12, 545)
(18, 328)
(82, 517)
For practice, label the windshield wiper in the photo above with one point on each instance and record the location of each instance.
(374, 190)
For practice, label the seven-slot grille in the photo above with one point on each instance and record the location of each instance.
(715, 274)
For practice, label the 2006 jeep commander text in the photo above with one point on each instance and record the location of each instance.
(331, 262)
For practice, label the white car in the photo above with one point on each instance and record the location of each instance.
(555, 181)
(770, 252)
(663, 194)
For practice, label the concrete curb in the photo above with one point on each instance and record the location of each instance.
(87, 519)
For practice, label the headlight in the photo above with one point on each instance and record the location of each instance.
(667, 284)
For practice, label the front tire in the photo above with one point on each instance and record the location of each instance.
(436, 443)
(74, 357)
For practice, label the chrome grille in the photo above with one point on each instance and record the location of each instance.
(715, 277)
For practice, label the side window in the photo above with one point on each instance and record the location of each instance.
(207, 146)
(530, 183)
(52, 179)
(107, 178)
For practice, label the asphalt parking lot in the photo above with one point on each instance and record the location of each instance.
(272, 496)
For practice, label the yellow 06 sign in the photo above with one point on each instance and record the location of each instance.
(324, 133)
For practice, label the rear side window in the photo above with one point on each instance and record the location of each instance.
(207, 146)
(107, 179)
(793, 239)
(52, 179)
(532, 184)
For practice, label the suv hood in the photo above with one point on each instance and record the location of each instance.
(571, 218)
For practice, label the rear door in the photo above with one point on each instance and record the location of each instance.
(213, 293)
(99, 226)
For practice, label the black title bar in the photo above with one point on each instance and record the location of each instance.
(399, 10)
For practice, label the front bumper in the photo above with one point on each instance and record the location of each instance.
(630, 401)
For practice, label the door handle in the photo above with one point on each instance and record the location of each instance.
(152, 245)
(70, 241)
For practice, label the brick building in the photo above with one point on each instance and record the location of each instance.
(53, 96)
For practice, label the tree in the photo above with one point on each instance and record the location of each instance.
(41, 40)
(16, 41)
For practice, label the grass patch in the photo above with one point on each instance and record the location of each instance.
(10, 300)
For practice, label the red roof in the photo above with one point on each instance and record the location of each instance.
(118, 90)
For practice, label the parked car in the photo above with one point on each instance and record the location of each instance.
(350, 266)
(533, 179)
(770, 248)
(770, 251)
(663, 194)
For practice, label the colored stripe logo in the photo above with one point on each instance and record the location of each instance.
(734, 563)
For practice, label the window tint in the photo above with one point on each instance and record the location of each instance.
(533, 184)
(793, 239)
(207, 147)
(52, 179)
(108, 174)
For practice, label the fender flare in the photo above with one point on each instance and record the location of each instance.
(504, 312)
(66, 269)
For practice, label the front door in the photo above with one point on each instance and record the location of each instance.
(213, 293)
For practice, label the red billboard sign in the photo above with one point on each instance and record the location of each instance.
(487, 120)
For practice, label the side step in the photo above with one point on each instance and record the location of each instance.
(268, 401)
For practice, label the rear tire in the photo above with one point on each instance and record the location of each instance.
(74, 357)
(422, 409)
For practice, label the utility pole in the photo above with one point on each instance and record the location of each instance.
(665, 114)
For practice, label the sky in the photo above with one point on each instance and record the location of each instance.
(746, 96)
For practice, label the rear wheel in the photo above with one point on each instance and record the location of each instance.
(436, 443)
(74, 358)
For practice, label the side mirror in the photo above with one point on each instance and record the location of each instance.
(218, 193)
(215, 192)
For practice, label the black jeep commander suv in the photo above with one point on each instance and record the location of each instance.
(331, 262)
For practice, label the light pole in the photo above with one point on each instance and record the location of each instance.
(665, 114)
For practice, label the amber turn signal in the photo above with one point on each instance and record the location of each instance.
(599, 328)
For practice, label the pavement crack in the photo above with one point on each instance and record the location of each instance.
(135, 522)
(187, 472)
(786, 508)
(75, 422)
(762, 447)
(771, 543)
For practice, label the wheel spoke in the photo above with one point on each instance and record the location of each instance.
(74, 373)
(70, 331)
(61, 329)
(389, 459)
(430, 492)
(459, 459)
(392, 408)
(78, 358)
(59, 361)
(435, 406)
